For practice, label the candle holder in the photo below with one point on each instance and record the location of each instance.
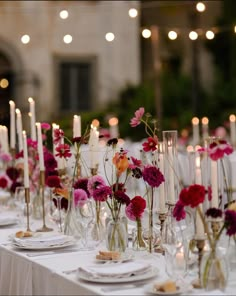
(94, 171)
(200, 243)
(162, 217)
(42, 185)
(27, 201)
(13, 153)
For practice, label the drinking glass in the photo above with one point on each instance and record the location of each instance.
(85, 218)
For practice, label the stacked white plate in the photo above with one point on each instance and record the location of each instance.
(43, 241)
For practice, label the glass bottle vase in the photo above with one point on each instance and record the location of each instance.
(214, 270)
(116, 235)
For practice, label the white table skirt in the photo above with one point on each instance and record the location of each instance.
(43, 275)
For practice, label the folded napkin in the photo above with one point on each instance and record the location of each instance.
(117, 270)
(42, 241)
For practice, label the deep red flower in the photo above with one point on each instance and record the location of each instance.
(19, 154)
(179, 212)
(14, 185)
(214, 213)
(58, 135)
(3, 182)
(153, 176)
(53, 181)
(118, 186)
(136, 208)
(136, 120)
(12, 173)
(121, 197)
(82, 183)
(183, 197)
(230, 222)
(63, 150)
(196, 195)
(150, 144)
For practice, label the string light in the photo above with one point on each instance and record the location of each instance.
(109, 37)
(193, 35)
(200, 7)
(4, 83)
(64, 14)
(146, 33)
(67, 39)
(25, 39)
(172, 35)
(133, 12)
(210, 35)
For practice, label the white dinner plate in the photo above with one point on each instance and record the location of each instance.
(123, 258)
(106, 280)
(43, 242)
(44, 248)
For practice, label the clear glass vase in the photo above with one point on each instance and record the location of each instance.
(214, 270)
(71, 226)
(116, 235)
(98, 228)
(138, 240)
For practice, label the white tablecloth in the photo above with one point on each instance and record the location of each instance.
(43, 275)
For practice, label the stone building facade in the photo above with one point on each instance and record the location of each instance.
(66, 78)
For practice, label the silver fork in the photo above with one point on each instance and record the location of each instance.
(123, 287)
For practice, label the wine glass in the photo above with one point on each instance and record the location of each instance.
(19, 201)
(85, 216)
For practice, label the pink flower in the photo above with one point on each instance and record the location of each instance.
(151, 144)
(102, 193)
(136, 208)
(63, 150)
(45, 126)
(5, 157)
(58, 135)
(138, 116)
(95, 182)
(153, 176)
(179, 212)
(136, 163)
(80, 197)
(218, 149)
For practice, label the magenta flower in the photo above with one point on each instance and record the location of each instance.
(179, 212)
(95, 182)
(153, 176)
(45, 126)
(58, 135)
(63, 150)
(80, 197)
(230, 222)
(218, 149)
(102, 193)
(138, 116)
(32, 143)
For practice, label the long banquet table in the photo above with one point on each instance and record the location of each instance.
(21, 274)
